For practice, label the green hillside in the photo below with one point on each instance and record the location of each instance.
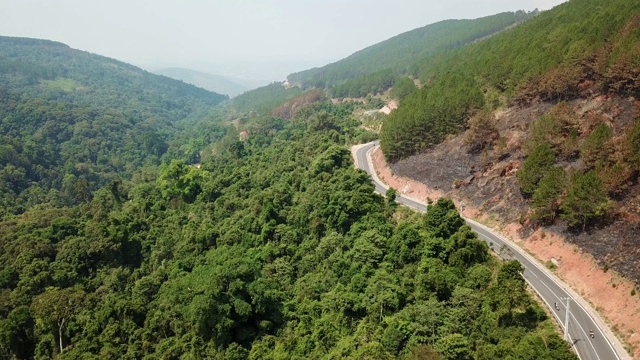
(374, 69)
(211, 82)
(264, 99)
(276, 248)
(560, 54)
(71, 121)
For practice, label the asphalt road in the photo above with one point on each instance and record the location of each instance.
(603, 346)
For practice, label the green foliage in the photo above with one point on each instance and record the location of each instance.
(535, 167)
(547, 129)
(428, 115)
(586, 200)
(73, 122)
(442, 218)
(265, 99)
(633, 141)
(180, 180)
(555, 56)
(455, 347)
(595, 148)
(546, 198)
(391, 196)
(54, 309)
(282, 252)
(402, 88)
(371, 84)
(406, 53)
(576, 39)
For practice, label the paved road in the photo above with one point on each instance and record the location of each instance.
(582, 319)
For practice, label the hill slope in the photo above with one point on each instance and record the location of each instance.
(406, 53)
(72, 121)
(577, 47)
(211, 82)
(538, 129)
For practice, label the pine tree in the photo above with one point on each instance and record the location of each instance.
(586, 200)
(535, 167)
(546, 197)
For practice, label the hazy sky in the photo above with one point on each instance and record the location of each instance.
(235, 35)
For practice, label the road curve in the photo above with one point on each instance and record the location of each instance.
(603, 346)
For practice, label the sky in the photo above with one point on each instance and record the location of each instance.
(260, 39)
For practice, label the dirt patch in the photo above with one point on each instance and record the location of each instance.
(406, 186)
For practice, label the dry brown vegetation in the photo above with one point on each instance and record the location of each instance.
(291, 107)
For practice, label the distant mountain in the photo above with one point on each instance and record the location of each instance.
(211, 82)
(404, 54)
(71, 121)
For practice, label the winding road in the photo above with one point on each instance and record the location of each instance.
(602, 346)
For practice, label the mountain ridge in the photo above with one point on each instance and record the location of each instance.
(407, 53)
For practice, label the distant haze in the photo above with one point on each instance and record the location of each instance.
(216, 83)
(254, 41)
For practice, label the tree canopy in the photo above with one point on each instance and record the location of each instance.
(276, 247)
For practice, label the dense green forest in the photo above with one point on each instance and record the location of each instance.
(71, 122)
(577, 47)
(276, 248)
(374, 69)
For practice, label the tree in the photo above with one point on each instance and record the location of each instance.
(454, 347)
(391, 200)
(547, 129)
(403, 87)
(586, 200)
(382, 293)
(633, 141)
(510, 291)
(180, 180)
(442, 218)
(546, 197)
(535, 167)
(55, 307)
(16, 334)
(595, 148)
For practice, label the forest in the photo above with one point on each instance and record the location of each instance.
(72, 122)
(276, 248)
(582, 196)
(375, 68)
(264, 99)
